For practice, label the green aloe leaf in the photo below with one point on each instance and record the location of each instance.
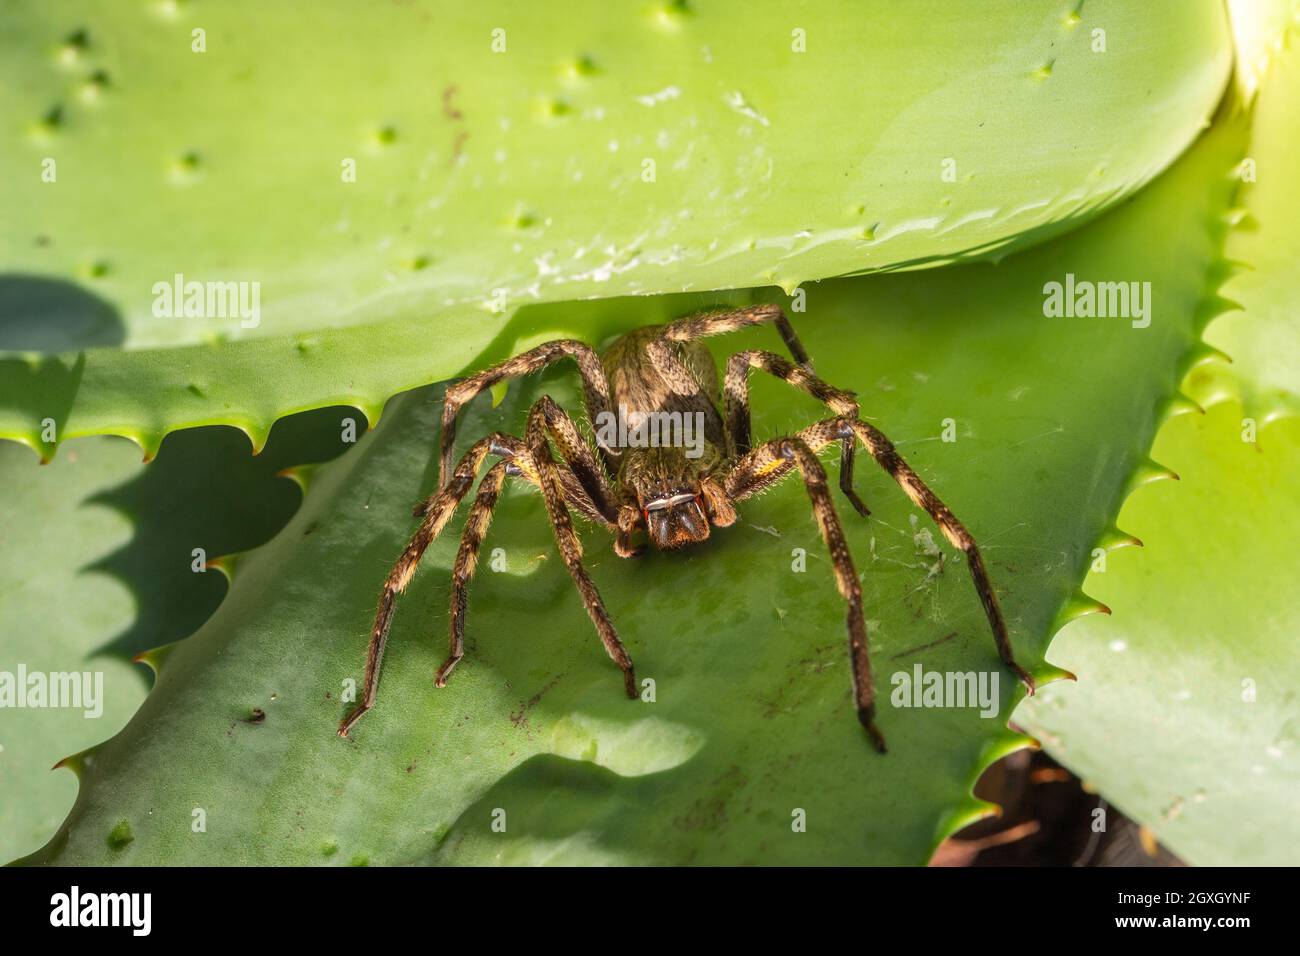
(146, 395)
(1185, 711)
(1184, 715)
(84, 251)
(1263, 338)
(495, 154)
(96, 555)
(752, 720)
(45, 543)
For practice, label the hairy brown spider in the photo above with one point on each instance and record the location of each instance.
(672, 496)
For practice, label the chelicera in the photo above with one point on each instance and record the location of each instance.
(672, 496)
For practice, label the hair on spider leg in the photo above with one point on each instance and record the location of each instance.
(658, 494)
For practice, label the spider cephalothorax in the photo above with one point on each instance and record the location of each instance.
(670, 456)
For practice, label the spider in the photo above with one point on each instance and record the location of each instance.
(672, 496)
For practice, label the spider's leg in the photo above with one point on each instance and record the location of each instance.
(730, 320)
(476, 527)
(736, 407)
(570, 546)
(592, 504)
(795, 452)
(480, 517)
(595, 387)
(580, 460)
(762, 467)
(884, 452)
(438, 512)
(686, 382)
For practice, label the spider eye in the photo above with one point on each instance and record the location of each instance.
(658, 504)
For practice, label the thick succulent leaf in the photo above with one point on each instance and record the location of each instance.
(148, 394)
(431, 155)
(1184, 715)
(1263, 339)
(1259, 30)
(45, 543)
(1185, 711)
(751, 720)
(96, 552)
